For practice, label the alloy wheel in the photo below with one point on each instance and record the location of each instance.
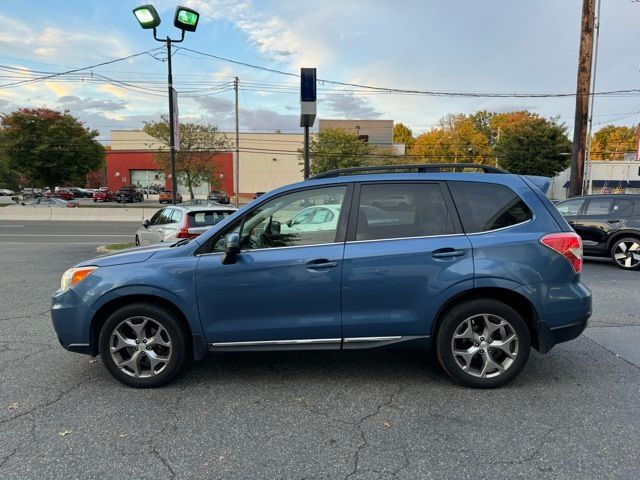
(484, 345)
(140, 347)
(627, 253)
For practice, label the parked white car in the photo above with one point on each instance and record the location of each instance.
(6, 192)
(176, 222)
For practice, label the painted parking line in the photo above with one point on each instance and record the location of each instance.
(11, 226)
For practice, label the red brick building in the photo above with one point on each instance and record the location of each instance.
(140, 168)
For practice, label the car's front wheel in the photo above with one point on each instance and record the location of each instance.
(483, 343)
(143, 345)
(626, 253)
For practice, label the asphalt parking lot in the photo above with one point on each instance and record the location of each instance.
(574, 413)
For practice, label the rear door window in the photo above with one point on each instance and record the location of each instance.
(402, 210)
(599, 206)
(488, 206)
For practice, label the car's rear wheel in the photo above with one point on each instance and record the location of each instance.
(143, 345)
(483, 343)
(626, 253)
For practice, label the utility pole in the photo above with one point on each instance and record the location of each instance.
(582, 98)
(588, 184)
(236, 167)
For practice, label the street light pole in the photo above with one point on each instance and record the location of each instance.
(172, 126)
(185, 19)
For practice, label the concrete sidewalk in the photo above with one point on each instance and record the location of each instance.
(78, 214)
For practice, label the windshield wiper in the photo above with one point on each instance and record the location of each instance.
(179, 243)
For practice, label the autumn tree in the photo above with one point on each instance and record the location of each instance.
(533, 145)
(338, 148)
(199, 144)
(456, 139)
(50, 148)
(402, 134)
(612, 142)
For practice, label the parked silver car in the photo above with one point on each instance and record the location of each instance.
(176, 222)
(46, 202)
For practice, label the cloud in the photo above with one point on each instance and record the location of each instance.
(72, 102)
(65, 45)
(350, 106)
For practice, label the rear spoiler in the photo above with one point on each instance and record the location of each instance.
(543, 183)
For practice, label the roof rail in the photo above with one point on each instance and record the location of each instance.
(417, 168)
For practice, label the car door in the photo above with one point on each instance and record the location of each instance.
(283, 288)
(399, 268)
(151, 234)
(595, 223)
(173, 225)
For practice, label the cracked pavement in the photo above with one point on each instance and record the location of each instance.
(574, 413)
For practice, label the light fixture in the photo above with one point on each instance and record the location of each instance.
(147, 16)
(186, 19)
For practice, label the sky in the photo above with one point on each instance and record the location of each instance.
(496, 46)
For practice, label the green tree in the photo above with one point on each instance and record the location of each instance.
(338, 148)
(612, 142)
(534, 145)
(199, 144)
(402, 134)
(9, 178)
(50, 148)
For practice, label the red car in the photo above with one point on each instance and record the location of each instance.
(104, 195)
(63, 194)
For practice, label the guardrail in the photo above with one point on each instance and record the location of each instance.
(77, 214)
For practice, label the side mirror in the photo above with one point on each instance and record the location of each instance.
(275, 228)
(232, 249)
(290, 223)
(145, 223)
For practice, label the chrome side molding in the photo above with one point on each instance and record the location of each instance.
(313, 343)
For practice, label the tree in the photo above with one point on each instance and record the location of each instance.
(402, 134)
(338, 148)
(612, 142)
(50, 148)
(456, 139)
(534, 145)
(9, 178)
(199, 144)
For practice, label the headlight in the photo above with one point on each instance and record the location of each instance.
(73, 276)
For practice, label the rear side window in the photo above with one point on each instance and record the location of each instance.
(488, 206)
(401, 210)
(622, 207)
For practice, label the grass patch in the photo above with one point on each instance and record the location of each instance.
(119, 246)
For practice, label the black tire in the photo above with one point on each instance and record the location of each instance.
(137, 241)
(471, 310)
(177, 337)
(631, 261)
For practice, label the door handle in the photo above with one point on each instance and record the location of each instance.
(614, 221)
(447, 253)
(321, 264)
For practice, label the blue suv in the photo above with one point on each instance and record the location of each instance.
(469, 261)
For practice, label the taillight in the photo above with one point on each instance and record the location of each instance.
(184, 231)
(567, 244)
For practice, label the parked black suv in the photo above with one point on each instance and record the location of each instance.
(609, 226)
(129, 195)
(219, 196)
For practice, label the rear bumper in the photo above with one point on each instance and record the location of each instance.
(548, 337)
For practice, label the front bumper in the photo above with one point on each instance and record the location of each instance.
(71, 321)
